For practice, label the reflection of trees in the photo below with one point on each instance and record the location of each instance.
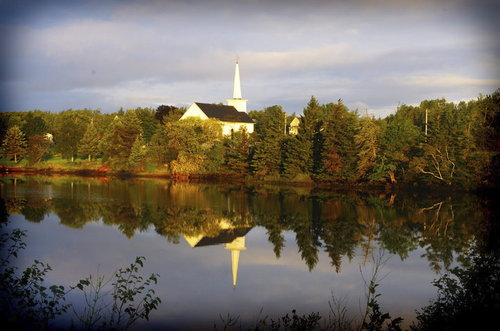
(35, 210)
(339, 224)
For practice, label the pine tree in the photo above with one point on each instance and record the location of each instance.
(237, 151)
(137, 153)
(291, 154)
(368, 143)
(89, 145)
(121, 135)
(14, 143)
(308, 137)
(69, 129)
(37, 148)
(267, 156)
(338, 149)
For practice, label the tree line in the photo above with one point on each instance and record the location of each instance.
(321, 220)
(434, 142)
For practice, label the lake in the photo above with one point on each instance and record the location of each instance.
(249, 251)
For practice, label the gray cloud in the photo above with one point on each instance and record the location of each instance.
(372, 54)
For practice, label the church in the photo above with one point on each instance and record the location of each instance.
(232, 117)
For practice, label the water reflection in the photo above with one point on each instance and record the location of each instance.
(337, 223)
(233, 237)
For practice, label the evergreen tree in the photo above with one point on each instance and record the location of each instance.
(69, 129)
(89, 144)
(291, 157)
(121, 135)
(158, 148)
(267, 156)
(149, 124)
(34, 125)
(339, 151)
(137, 153)
(14, 143)
(309, 136)
(368, 143)
(37, 148)
(237, 152)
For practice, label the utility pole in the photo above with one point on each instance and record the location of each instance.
(285, 123)
(426, 111)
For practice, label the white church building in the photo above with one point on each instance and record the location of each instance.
(233, 116)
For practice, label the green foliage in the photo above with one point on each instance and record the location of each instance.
(69, 129)
(191, 144)
(137, 154)
(89, 144)
(267, 155)
(338, 150)
(237, 152)
(120, 137)
(400, 140)
(14, 143)
(468, 297)
(158, 150)
(34, 125)
(165, 114)
(149, 124)
(37, 148)
(292, 153)
(434, 143)
(132, 298)
(26, 302)
(368, 143)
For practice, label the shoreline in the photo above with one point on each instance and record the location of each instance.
(219, 178)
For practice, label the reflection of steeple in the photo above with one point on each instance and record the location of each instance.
(233, 237)
(236, 246)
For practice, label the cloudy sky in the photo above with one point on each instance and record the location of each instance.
(373, 54)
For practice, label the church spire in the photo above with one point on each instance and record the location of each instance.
(237, 101)
(237, 84)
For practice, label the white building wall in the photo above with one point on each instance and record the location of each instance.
(239, 104)
(228, 126)
(194, 111)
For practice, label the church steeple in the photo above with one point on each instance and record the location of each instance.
(237, 101)
(237, 84)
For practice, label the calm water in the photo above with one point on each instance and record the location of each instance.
(240, 250)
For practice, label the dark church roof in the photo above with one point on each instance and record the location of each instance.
(224, 113)
(224, 237)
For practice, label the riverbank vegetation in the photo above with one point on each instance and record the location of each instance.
(434, 143)
(27, 302)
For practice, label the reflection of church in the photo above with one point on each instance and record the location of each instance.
(233, 237)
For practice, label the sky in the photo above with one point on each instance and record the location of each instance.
(372, 54)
